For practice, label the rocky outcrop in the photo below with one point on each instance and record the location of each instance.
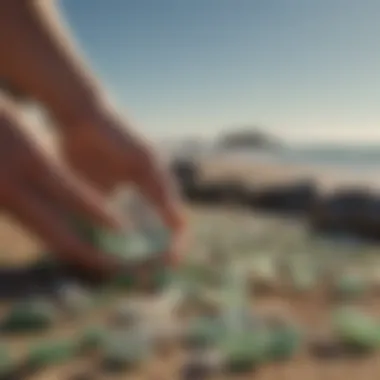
(298, 197)
(247, 138)
(352, 211)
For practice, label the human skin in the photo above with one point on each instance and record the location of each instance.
(100, 149)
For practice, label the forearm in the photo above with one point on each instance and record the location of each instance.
(39, 57)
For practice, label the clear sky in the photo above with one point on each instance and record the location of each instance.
(305, 69)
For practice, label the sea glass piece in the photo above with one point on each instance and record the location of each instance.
(145, 239)
(125, 347)
(285, 341)
(203, 332)
(92, 338)
(51, 353)
(74, 298)
(30, 315)
(244, 351)
(350, 286)
(242, 345)
(355, 327)
(262, 273)
(6, 362)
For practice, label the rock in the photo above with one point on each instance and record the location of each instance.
(325, 349)
(293, 198)
(185, 171)
(217, 193)
(347, 211)
(201, 366)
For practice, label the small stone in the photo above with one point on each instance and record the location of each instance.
(325, 349)
(74, 298)
(197, 370)
(84, 375)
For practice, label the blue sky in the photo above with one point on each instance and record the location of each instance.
(304, 69)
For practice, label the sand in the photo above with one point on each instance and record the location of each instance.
(311, 311)
(17, 247)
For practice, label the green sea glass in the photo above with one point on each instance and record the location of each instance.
(51, 353)
(285, 341)
(136, 247)
(247, 349)
(204, 332)
(92, 338)
(355, 327)
(6, 362)
(350, 286)
(302, 276)
(75, 299)
(30, 315)
(125, 347)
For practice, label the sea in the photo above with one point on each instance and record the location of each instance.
(334, 156)
(361, 161)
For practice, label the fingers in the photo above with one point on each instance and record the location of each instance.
(34, 161)
(47, 224)
(71, 193)
(156, 184)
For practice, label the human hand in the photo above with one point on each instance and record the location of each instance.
(103, 148)
(40, 58)
(35, 186)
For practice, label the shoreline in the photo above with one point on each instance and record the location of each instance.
(20, 246)
(262, 174)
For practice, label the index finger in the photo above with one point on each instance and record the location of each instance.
(157, 185)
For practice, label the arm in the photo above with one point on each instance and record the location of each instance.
(39, 57)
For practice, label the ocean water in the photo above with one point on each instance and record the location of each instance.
(360, 161)
(338, 156)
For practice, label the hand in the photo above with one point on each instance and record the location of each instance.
(34, 186)
(103, 149)
(40, 58)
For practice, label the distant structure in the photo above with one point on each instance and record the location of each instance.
(247, 138)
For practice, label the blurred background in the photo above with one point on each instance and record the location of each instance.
(267, 112)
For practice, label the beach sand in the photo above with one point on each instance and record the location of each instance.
(18, 247)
